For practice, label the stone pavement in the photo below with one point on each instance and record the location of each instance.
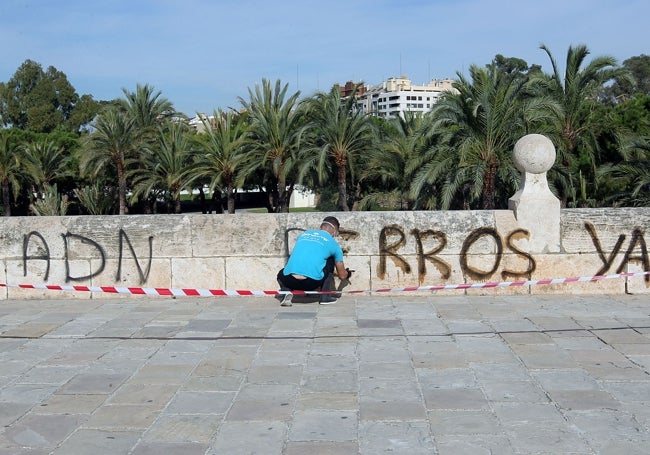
(398, 374)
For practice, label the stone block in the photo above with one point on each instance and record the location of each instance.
(606, 228)
(156, 274)
(639, 284)
(230, 235)
(457, 229)
(36, 273)
(168, 233)
(398, 275)
(46, 232)
(252, 273)
(203, 273)
(570, 266)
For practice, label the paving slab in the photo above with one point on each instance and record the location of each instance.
(399, 374)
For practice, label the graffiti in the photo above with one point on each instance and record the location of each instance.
(143, 275)
(519, 234)
(478, 274)
(389, 250)
(67, 238)
(45, 256)
(442, 266)
(637, 242)
(471, 239)
(484, 253)
(35, 241)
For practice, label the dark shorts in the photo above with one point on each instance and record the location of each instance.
(292, 283)
(289, 282)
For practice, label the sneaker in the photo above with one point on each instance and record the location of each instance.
(327, 299)
(286, 300)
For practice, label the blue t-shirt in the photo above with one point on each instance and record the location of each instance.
(310, 253)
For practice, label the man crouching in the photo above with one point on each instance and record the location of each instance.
(312, 262)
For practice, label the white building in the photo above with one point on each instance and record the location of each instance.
(197, 122)
(398, 95)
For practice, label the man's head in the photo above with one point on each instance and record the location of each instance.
(330, 224)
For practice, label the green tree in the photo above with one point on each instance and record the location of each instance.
(632, 174)
(342, 135)
(148, 110)
(50, 202)
(392, 163)
(45, 162)
(97, 198)
(43, 101)
(513, 67)
(165, 167)
(223, 157)
(275, 132)
(635, 82)
(113, 144)
(85, 110)
(147, 107)
(10, 170)
(571, 123)
(480, 121)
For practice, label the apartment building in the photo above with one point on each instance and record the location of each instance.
(397, 95)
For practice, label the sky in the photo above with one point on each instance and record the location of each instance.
(207, 54)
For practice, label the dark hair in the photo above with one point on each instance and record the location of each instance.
(331, 220)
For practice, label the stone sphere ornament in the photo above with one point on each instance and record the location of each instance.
(534, 153)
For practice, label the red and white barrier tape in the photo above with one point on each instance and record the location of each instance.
(183, 292)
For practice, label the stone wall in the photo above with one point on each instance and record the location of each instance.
(387, 249)
(533, 240)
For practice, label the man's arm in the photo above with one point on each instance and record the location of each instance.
(340, 270)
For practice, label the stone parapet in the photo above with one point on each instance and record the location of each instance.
(387, 250)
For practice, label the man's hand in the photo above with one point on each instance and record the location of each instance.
(343, 284)
(346, 281)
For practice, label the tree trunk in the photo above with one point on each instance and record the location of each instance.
(6, 199)
(357, 197)
(216, 202)
(282, 203)
(202, 199)
(287, 199)
(177, 204)
(488, 185)
(343, 192)
(121, 190)
(231, 198)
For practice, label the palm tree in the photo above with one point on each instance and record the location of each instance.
(222, 159)
(45, 163)
(146, 107)
(96, 199)
(10, 170)
(481, 121)
(51, 203)
(148, 110)
(632, 174)
(574, 95)
(276, 128)
(343, 134)
(164, 168)
(392, 162)
(113, 144)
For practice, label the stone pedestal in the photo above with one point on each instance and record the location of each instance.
(535, 207)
